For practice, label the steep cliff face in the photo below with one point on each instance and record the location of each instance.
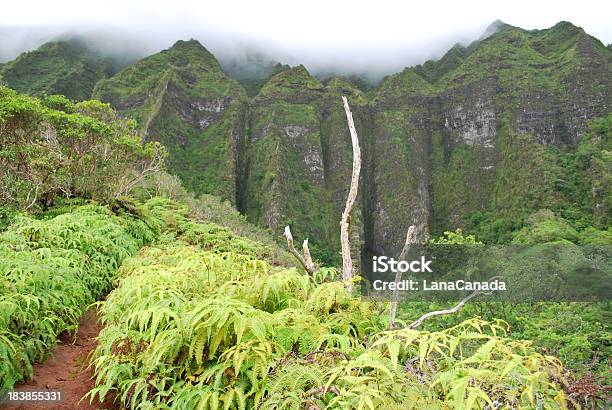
(480, 130)
(60, 67)
(338, 159)
(285, 176)
(492, 131)
(182, 98)
(299, 159)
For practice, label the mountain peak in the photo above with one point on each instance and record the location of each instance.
(65, 67)
(294, 74)
(495, 27)
(566, 27)
(188, 44)
(294, 80)
(186, 52)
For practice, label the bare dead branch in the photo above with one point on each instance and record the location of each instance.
(410, 239)
(308, 266)
(347, 262)
(129, 182)
(455, 309)
(307, 257)
(34, 199)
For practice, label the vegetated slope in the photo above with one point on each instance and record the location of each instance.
(477, 140)
(181, 98)
(467, 141)
(298, 159)
(483, 131)
(198, 322)
(54, 150)
(51, 270)
(274, 159)
(55, 155)
(59, 67)
(577, 333)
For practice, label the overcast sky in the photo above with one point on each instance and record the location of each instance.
(377, 35)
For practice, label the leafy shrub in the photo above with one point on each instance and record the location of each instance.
(455, 238)
(55, 148)
(578, 333)
(545, 226)
(213, 209)
(50, 271)
(207, 324)
(177, 217)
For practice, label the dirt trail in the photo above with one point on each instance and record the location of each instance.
(66, 370)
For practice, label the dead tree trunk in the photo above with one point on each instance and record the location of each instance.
(410, 239)
(454, 309)
(306, 260)
(347, 261)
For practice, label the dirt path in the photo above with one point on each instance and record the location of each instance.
(66, 370)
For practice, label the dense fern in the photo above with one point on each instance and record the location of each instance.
(50, 270)
(198, 322)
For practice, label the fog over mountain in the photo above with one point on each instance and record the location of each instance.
(327, 37)
(372, 62)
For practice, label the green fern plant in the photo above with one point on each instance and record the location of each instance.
(51, 270)
(199, 322)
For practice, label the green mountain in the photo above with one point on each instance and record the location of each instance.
(479, 139)
(299, 157)
(59, 67)
(484, 131)
(182, 98)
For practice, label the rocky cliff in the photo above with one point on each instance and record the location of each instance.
(482, 134)
(182, 98)
(481, 129)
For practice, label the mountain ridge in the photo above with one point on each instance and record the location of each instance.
(281, 152)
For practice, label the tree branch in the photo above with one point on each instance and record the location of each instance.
(455, 309)
(305, 261)
(347, 262)
(307, 258)
(410, 239)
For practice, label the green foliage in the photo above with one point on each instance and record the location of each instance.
(544, 226)
(50, 271)
(214, 209)
(588, 178)
(208, 325)
(55, 148)
(487, 133)
(592, 236)
(578, 333)
(285, 182)
(493, 229)
(201, 319)
(525, 177)
(182, 98)
(578, 209)
(455, 238)
(7, 214)
(292, 82)
(59, 67)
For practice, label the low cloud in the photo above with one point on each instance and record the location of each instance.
(357, 37)
(370, 61)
